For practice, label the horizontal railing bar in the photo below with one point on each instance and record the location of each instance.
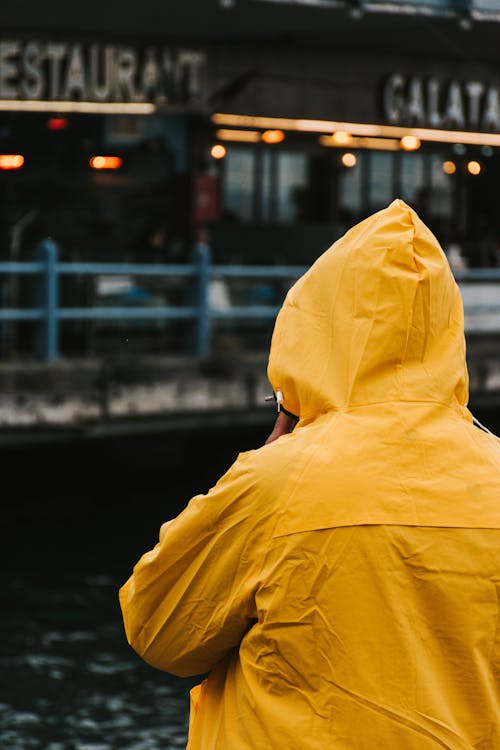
(21, 267)
(230, 271)
(153, 269)
(475, 309)
(258, 271)
(478, 274)
(127, 269)
(29, 314)
(255, 311)
(132, 313)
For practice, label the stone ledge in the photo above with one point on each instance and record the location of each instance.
(89, 391)
(84, 394)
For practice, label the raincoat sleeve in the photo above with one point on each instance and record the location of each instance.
(190, 599)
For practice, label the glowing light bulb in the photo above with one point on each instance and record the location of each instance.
(349, 160)
(106, 162)
(473, 167)
(273, 136)
(218, 151)
(410, 143)
(11, 161)
(341, 138)
(449, 167)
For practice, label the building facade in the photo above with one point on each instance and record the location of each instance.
(273, 128)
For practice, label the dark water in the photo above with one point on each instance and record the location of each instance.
(75, 518)
(68, 678)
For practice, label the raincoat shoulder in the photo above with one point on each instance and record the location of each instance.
(190, 599)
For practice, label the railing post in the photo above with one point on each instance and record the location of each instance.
(47, 333)
(201, 330)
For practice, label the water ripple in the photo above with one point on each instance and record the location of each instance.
(71, 681)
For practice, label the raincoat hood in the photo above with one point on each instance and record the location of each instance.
(377, 318)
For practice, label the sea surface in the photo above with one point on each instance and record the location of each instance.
(75, 520)
(69, 679)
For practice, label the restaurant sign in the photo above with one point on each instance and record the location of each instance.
(418, 102)
(63, 71)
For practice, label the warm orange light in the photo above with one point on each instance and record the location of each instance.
(449, 167)
(106, 162)
(473, 167)
(250, 136)
(341, 138)
(379, 144)
(46, 105)
(410, 143)
(273, 136)
(57, 123)
(356, 128)
(218, 151)
(348, 160)
(11, 161)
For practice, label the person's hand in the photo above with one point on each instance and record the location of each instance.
(283, 425)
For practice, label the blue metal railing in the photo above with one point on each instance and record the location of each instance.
(47, 314)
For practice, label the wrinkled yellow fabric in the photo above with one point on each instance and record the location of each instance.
(341, 585)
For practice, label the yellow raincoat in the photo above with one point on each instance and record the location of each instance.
(341, 585)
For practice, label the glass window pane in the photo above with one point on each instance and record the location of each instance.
(441, 188)
(239, 176)
(380, 185)
(412, 176)
(265, 188)
(350, 197)
(292, 179)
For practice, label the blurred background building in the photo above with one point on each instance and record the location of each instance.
(272, 126)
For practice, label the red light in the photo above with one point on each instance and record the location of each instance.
(57, 123)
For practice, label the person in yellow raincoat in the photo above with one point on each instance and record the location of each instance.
(341, 584)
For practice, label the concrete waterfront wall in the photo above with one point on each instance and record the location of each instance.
(128, 394)
(111, 394)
